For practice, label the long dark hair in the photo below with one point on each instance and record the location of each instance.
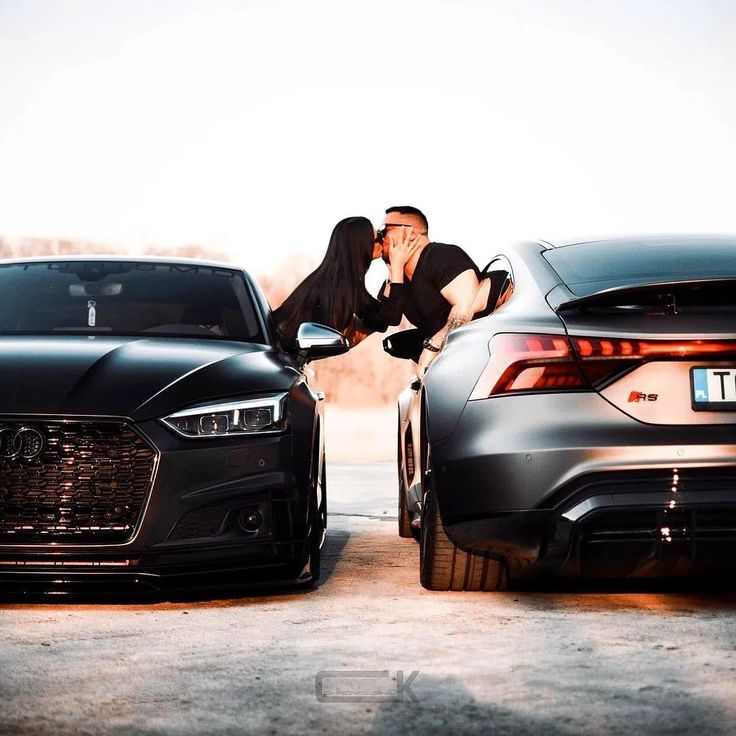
(335, 290)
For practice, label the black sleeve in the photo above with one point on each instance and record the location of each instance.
(392, 306)
(446, 263)
(379, 313)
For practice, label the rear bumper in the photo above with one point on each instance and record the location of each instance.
(588, 490)
(631, 533)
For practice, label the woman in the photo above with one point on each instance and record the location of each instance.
(334, 294)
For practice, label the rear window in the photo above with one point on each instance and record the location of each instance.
(587, 268)
(126, 298)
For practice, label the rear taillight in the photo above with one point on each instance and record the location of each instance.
(596, 347)
(530, 363)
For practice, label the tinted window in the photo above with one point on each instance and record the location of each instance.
(126, 298)
(591, 267)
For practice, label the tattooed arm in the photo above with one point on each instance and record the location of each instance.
(461, 293)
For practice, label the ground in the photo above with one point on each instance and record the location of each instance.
(369, 651)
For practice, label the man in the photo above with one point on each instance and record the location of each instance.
(443, 288)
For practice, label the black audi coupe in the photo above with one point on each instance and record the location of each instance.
(154, 433)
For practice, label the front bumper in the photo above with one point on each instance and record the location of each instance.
(189, 535)
(243, 567)
(588, 490)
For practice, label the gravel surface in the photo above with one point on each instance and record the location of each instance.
(368, 651)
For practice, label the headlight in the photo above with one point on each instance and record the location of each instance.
(264, 415)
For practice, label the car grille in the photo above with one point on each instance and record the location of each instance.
(88, 481)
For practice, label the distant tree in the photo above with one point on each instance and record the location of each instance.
(193, 250)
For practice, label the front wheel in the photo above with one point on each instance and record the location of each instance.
(315, 539)
(444, 566)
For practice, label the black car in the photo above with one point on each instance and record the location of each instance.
(154, 433)
(586, 427)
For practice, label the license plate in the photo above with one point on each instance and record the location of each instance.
(713, 388)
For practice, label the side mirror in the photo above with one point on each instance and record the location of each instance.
(406, 344)
(315, 341)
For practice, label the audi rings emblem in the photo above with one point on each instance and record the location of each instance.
(25, 442)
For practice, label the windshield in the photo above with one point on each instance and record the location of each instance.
(126, 298)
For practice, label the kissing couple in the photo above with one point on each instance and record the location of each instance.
(437, 286)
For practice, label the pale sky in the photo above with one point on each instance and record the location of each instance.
(252, 127)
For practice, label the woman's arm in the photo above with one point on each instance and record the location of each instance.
(378, 314)
(391, 300)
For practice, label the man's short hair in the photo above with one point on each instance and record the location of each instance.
(408, 210)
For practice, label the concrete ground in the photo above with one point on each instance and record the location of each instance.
(370, 652)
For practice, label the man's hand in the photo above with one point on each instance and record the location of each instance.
(401, 248)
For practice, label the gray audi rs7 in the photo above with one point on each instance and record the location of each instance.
(584, 428)
(154, 433)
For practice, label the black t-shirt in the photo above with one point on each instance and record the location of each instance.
(437, 266)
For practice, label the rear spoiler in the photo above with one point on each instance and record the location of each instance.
(561, 299)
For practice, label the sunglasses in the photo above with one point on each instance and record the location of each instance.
(381, 234)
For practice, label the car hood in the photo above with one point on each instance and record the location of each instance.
(140, 378)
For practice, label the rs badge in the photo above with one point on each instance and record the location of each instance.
(636, 396)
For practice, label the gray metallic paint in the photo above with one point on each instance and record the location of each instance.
(495, 461)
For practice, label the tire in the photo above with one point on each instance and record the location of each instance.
(444, 566)
(317, 527)
(323, 503)
(316, 535)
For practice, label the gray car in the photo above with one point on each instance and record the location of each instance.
(586, 426)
